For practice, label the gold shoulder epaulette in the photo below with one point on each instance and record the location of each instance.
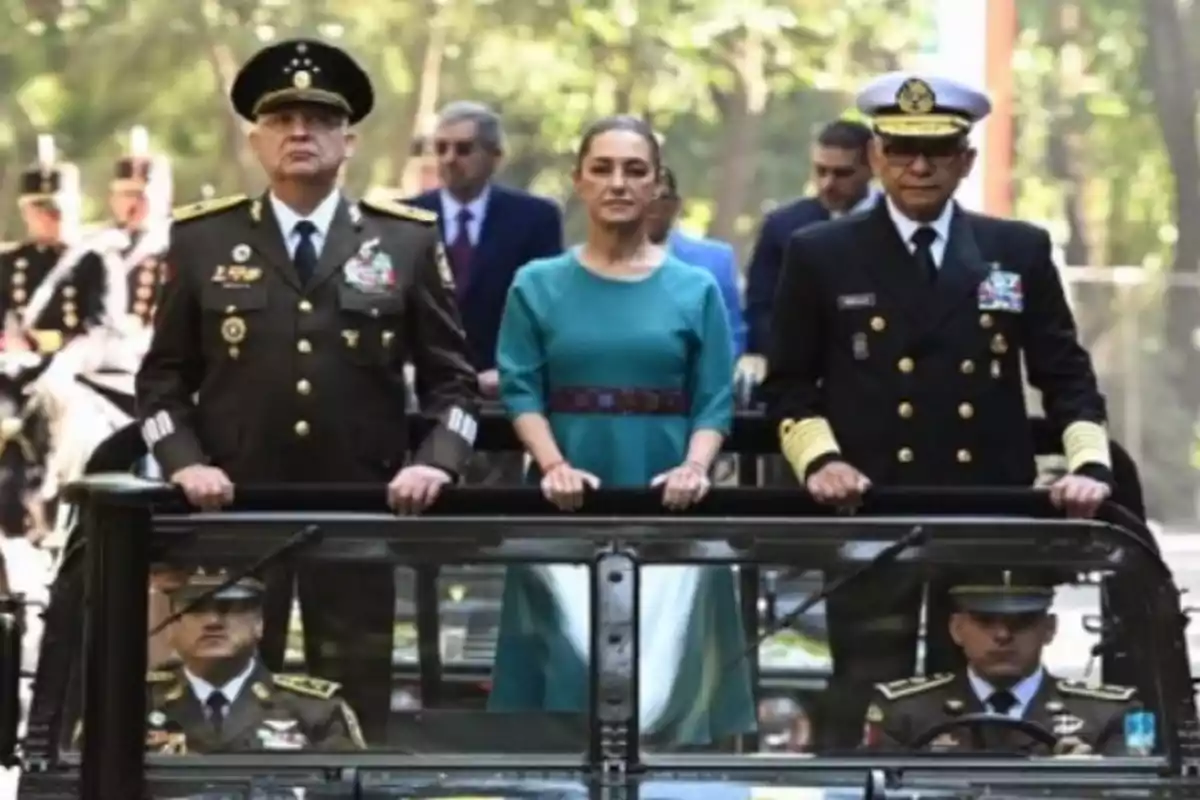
(1116, 694)
(206, 207)
(8, 247)
(307, 685)
(400, 210)
(159, 676)
(910, 686)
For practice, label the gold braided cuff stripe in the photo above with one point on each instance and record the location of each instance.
(1086, 443)
(804, 441)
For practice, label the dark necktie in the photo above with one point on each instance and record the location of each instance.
(461, 249)
(923, 238)
(216, 705)
(1002, 701)
(305, 259)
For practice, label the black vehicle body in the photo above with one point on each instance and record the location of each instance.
(129, 522)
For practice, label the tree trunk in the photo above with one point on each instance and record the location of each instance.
(240, 170)
(426, 68)
(1167, 66)
(741, 120)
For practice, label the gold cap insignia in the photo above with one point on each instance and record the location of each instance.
(233, 330)
(302, 80)
(874, 714)
(915, 96)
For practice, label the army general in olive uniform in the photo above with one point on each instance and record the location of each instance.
(289, 318)
(221, 698)
(898, 362)
(1002, 623)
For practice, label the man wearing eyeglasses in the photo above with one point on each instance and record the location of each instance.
(490, 230)
(898, 360)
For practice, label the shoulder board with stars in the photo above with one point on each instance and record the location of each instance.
(400, 211)
(307, 685)
(1116, 694)
(206, 207)
(159, 676)
(911, 686)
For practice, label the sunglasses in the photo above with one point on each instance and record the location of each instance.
(902, 152)
(834, 172)
(459, 148)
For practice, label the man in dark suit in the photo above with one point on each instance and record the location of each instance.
(490, 231)
(898, 361)
(279, 351)
(841, 171)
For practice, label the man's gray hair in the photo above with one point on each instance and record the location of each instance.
(488, 129)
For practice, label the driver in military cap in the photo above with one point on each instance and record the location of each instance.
(280, 346)
(222, 698)
(1002, 622)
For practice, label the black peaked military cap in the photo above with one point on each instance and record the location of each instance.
(302, 71)
(200, 583)
(1007, 591)
(41, 182)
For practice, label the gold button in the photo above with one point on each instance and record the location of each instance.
(964, 456)
(69, 307)
(878, 323)
(905, 455)
(303, 386)
(68, 291)
(967, 367)
(966, 410)
(985, 320)
(906, 410)
(302, 428)
(18, 279)
(230, 309)
(906, 364)
(305, 306)
(304, 346)
(19, 295)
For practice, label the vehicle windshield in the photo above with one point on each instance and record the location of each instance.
(765, 648)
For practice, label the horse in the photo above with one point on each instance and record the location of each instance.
(87, 394)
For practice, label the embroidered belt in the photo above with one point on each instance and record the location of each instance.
(604, 400)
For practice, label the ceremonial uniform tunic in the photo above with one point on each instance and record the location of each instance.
(566, 328)
(269, 712)
(76, 300)
(305, 383)
(903, 710)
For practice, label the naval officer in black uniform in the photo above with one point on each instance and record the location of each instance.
(898, 361)
(290, 317)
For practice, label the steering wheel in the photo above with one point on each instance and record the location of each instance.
(1032, 730)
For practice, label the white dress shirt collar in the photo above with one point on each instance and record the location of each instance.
(321, 218)
(907, 227)
(232, 688)
(1024, 691)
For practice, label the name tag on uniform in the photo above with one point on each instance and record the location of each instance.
(1001, 291)
(849, 302)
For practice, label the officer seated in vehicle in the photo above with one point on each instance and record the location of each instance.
(220, 698)
(1005, 701)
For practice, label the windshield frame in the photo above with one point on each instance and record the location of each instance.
(742, 526)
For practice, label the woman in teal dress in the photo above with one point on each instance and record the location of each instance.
(616, 367)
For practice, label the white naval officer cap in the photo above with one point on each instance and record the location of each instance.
(911, 104)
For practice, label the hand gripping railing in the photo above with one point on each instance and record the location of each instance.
(615, 532)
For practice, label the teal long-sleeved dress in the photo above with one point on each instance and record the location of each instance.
(566, 326)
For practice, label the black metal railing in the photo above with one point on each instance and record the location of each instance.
(127, 520)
